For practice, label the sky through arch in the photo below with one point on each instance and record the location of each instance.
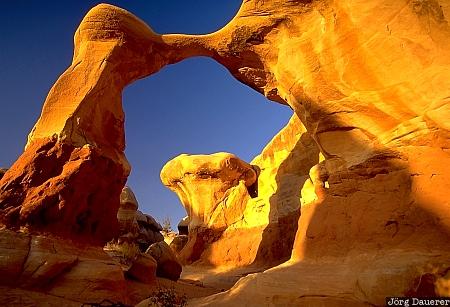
(195, 106)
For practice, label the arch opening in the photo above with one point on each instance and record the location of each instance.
(194, 107)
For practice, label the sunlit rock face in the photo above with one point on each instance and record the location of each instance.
(253, 222)
(368, 81)
(203, 181)
(69, 179)
(207, 186)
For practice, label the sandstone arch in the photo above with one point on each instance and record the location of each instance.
(80, 132)
(368, 79)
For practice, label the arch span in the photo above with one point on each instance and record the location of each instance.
(380, 120)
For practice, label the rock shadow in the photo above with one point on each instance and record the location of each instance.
(285, 207)
(386, 210)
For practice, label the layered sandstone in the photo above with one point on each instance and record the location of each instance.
(135, 226)
(203, 181)
(69, 179)
(60, 269)
(253, 222)
(368, 82)
(367, 79)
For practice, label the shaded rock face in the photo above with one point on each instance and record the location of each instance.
(368, 82)
(178, 243)
(55, 186)
(2, 172)
(168, 265)
(58, 268)
(143, 269)
(183, 226)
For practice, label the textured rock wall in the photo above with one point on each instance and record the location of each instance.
(59, 269)
(369, 82)
(68, 180)
(237, 221)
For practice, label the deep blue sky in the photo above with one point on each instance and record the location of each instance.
(195, 106)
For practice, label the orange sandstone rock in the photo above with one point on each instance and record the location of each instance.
(68, 180)
(367, 79)
(369, 82)
(202, 182)
(58, 268)
(247, 223)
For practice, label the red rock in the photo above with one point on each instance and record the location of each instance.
(66, 190)
(143, 269)
(168, 264)
(58, 268)
(367, 168)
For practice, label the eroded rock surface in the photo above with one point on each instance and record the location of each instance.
(168, 265)
(368, 81)
(69, 179)
(57, 268)
(135, 226)
(254, 224)
(202, 181)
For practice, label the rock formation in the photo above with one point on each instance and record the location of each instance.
(201, 182)
(183, 226)
(135, 226)
(367, 79)
(247, 220)
(143, 268)
(58, 268)
(367, 163)
(69, 179)
(2, 172)
(168, 265)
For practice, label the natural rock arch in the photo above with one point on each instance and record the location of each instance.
(380, 119)
(80, 131)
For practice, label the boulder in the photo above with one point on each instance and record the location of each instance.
(126, 215)
(153, 224)
(128, 199)
(57, 268)
(178, 243)
(143, 269)
(183, 226)
(168, 265)
(146, 237)
(141, 217)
